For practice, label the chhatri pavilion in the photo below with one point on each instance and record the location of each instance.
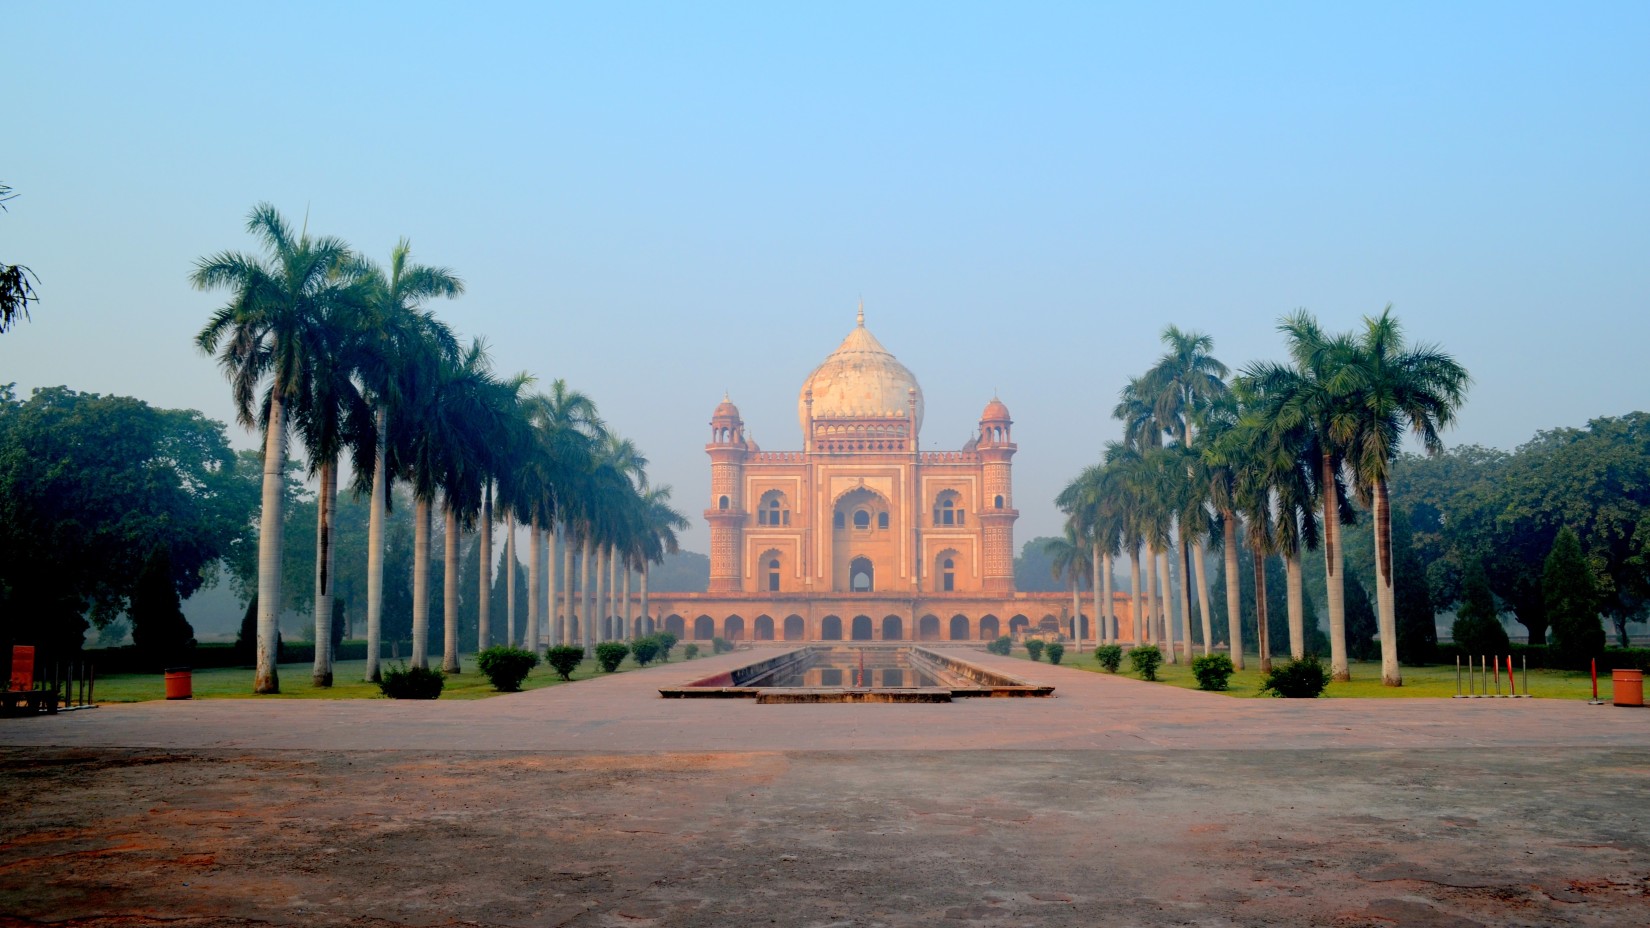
(862, 535)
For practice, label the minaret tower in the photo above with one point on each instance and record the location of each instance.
(726, 515)
(997, 513)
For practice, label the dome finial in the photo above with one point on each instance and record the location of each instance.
(860, 321)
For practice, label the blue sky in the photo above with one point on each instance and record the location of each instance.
(663, 202)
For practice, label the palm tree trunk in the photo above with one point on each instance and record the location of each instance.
(535, 582)
(1260, 612)
(603, 594)
(1234, 594)
(1198, 567)
(1107, 609)
(510, 578)
(326, 507)
(627, 634)
(449, 591)
(643, 597)
(567, 587)
(1097, 557)
(421, 584)
(271, 522)
(584, 597)
(1076, 608)
(484, 557)
(1334, 578)
(1185, 598)
(1385, 601)
(375, 557)
(552, 633)
(1134, 587)
(1165, 618)
(1297, 605)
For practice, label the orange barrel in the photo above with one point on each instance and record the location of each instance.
(1628, 687)
(180, 683)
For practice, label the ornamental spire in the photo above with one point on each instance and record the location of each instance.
(860, 321)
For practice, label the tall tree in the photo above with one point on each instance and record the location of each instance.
(268, 331)
(1572, 603)
(16, 282)
(1393, 388)
(406, 346)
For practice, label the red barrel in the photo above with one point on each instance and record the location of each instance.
(1628, 687)
(180, 683)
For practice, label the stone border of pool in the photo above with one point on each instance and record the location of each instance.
(735, 683)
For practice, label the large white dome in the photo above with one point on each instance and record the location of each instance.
(860, 378)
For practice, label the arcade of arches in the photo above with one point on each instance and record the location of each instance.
(863, 535)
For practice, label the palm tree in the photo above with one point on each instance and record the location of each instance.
(1313, 393)
(1221, 451)
(660, 523)
(568, 428)
(1397, 388)
(267, 331)
(1069, 558)
(406, 346)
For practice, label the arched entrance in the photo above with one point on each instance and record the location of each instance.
(830, 628)
(1017, 625)
(928, 628)
(959, 628)
(989, 629)
(734, 628)
(862, 575)
(892, 628)
(1049, 624)
(795, 628)
(676, 625)
(704, 628)
(862, 628)
(763, 630)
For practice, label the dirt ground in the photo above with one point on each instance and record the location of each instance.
(989, 838)
(1115, 802)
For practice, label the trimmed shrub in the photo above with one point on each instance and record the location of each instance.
(1003, 646)
(690, 651)
(1304, 678)
(720, 645)
(506, 667)
(1034, 649)
(1145, 660)
(564, 659)
(644, 650)
(610, 654)
(1055, 651)
(666, 642)
(399, 681)
(1109, 656)
(1212, 671)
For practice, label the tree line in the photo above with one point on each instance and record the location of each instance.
(322, 344)
(1267, 464)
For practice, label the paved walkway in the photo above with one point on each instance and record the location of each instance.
(624, 713)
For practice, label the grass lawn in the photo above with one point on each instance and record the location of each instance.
(236, 682)
(1433, 680)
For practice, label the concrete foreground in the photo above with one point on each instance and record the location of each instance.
(1113, 803)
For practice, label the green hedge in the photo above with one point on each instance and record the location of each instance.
(209, 656)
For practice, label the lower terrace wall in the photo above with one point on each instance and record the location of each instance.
(861, 617)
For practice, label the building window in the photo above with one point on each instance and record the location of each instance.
(862, 519)
(838, 520)
(949, 574)
(882, 520)
(999, 501)
(948, 509)
(773, 576)
(772, 511)
(722, 503)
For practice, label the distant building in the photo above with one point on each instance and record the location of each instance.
(861, 535)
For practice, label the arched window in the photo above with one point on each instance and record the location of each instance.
(722, 503)
(772, 510)
(773, 575)
(862, 518)
(948, 508)
(882, 519)
(838, 520)
(861, 575)
(999, 502)
(949, 575)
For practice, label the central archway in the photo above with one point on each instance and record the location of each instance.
(794, 628)
(830, 629)
(862, 575)
(893, 628)
(959, 628)
(928, 628)
(764, 628)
